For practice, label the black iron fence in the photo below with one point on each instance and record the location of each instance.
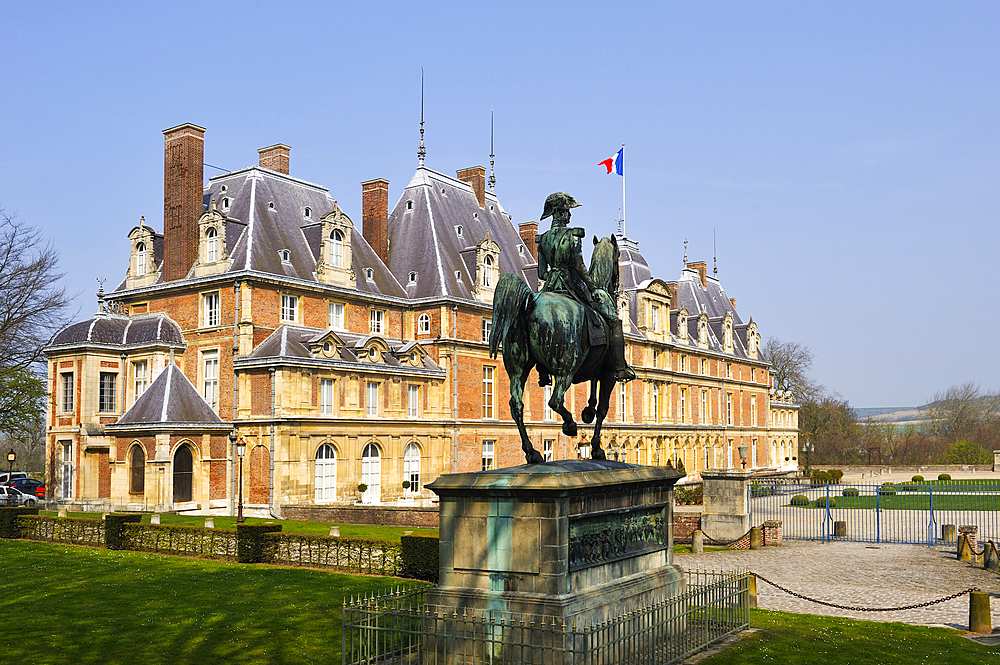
(401, 627)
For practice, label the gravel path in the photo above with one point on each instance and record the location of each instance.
(860, 574)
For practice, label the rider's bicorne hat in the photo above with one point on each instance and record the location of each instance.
(559, 200)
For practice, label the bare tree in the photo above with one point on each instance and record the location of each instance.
(790, 361)
(33, 303)
(958, 411)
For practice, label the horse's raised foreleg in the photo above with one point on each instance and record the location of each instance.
(517, 381)
(560, 384)
(589, 412)
(596, 451)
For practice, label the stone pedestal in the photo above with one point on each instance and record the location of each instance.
(726, 516)
(582, 541)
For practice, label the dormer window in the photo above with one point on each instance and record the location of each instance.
(491, 207)
(337, 248)
(458, 230)
(286, 256)
(224, 189)
(373, 354)
(226, 202)
(409, 205)
(327, 347)
(140, 258)
(475, 215)
(443, 190)
(307, 212)
(458, 275)
(488, 271)
(369, 273)
(413, 278)
(270, 205)
(520, 250)
(211, 245)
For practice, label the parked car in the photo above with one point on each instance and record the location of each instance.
(17, 497)
(17, 474)
(30, 486)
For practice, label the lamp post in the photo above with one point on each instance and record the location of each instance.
(808, 448)
(241, 449)
(11, 456)
(742, 448)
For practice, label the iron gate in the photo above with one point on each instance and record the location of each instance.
(887, 513)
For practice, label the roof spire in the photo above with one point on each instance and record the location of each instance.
(715, 263)
(421, 151)
(685, 252)
(493, 178)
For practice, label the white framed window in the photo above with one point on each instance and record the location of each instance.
(326, 473)
(289, 308)
(412, 400)
(326, 393)
(488, 271)
(67, 469)
(211, 245)
(210, 377)
(729, 370)
(753, 411)
(335, 316)
(583, 450)
(684, 395)
(703, 414)
(107, 401)
(654, 404)
(654, 318)
(411, 468)
(67, 391)
(488, 460)
(622, 403)
(704, 366)
(729, 408)
(729, 454)
(210, 309)
(140, 377)
(684, 364)
(547, 446)
(371, 473)
(487, 324)
(377, 321)
(488, 395)
(753, 375)
(424, 324)
(140, 259)
(337, 248)
(548, 414)
(753, 452)
(371, 399)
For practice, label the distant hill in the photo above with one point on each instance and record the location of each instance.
(894, 414)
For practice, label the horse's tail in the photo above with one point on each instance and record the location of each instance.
(511, 299)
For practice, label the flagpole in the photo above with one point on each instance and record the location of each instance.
(623, 190)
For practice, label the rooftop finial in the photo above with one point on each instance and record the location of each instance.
(421, 151)
(685, 252)
(620, 221)
(715, 263)
(493, 178)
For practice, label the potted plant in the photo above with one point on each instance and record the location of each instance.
(406, 485)
(362, 488)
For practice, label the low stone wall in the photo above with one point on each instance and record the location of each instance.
(424, 518)
(685, 525)
(932, 469)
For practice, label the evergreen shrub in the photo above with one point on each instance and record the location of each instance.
(821, 502)
(800, 500)
(251, 543)
(420, 557)
(917, 478)
(851, 491)
(944, 476)
(9, 526)
(113, 523)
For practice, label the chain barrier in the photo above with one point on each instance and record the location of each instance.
(857, 608)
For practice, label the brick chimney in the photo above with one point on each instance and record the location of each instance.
(733, 300)
(183, 175)
(528, 232)
(375, 216)
(475, 176)
(702, 269)
(275, 157)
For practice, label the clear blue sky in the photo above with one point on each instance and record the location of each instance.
(846, 154)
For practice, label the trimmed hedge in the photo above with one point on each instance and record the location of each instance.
(368, 556)
(851, 491)
(822, 501)
(10, 526)
(944, 476)
(917, 478)
(421, 557)
(799, 500)
(113, 523)
(887, 489)
(819, 477)
(252, 544)
(73, 530)
(193, 541)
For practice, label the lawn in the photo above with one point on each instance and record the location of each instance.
(66, 604)
(806, 639)
(288, 526)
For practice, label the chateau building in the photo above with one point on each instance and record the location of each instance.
(353, 362)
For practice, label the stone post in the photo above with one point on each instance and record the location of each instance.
(725, 516)
(752, 589)
(209, 522)
(979, 612)
(996, 460)
(840, 529)
(154, 518)
(756, 538)
(991, 557)
(948, 533)
(698, 542)
(335, 531)
(972, 533)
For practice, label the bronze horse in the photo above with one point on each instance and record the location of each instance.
(550, 330)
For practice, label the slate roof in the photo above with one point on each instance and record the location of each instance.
(423, 237)
(170, 399)
(138, 330)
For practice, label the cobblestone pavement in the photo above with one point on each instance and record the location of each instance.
(862, 574)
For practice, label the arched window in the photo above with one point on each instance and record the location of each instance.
(337, 248)
(371, 474)
(211, 245)
(140, 258)
(326, 473)
(137, 471)
(307, 211)
(424, 324)
(183, 474)
(487, 270)
(411, 467)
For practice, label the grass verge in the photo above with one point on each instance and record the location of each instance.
(807, 639)
(68, 604)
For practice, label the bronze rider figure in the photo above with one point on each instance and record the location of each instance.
(560, 265)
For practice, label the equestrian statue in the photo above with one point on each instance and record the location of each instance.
(569, 330)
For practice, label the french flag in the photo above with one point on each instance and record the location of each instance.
(617, 163)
